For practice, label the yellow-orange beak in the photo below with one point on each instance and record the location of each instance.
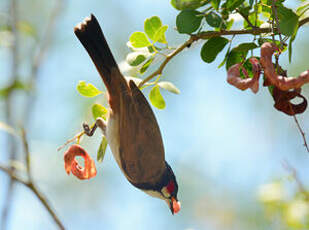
(174, 205)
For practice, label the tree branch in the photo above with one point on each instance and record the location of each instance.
(207, 35)
(11, 144)
(29, 183)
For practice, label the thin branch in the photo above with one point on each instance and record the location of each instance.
(245, 17)
(11, 144)
(274, 10)
(12, 175)
(301, 132)
(207, 35)
(29, 184)
(167, 59)
(27, 154)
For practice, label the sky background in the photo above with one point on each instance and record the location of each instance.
(222, 143)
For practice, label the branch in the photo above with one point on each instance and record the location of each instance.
(207, 35)
(245, 17)
(11, 172)
(301, 132)
(29, 184)
(11, 144)
(167, 59)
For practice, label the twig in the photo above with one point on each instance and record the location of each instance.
(27, 154)
(301, 132)
(167, 59)
(207, 35)
(76, 137)
(11, 144)
(246, 18)
(37, 61)
(274, 10)
(29, 184)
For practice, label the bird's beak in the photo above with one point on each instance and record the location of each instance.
(174, 205)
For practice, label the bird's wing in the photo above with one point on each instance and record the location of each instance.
(141, 146)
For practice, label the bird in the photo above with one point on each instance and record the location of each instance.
(131, 128)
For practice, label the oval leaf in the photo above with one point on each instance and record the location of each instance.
(188, 4)
(135, 58)
(234, 57)
(245, 47)
(146, 65)
(99, 111)
(156, 98)
(214, 20)
(87, 90)
(169, 86)
(102, 150)
(152, 25)
(160, 35)
(139, 40)
(288, 21)
(188, 21)
(212, 48)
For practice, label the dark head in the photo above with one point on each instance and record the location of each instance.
(166, 189)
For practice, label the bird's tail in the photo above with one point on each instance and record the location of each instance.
(91, 36)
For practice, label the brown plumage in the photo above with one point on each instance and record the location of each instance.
(132, 130)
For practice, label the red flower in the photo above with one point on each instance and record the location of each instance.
(71, 165)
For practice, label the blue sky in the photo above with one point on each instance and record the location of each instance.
(222, 143)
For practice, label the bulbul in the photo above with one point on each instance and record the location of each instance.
(131, 128)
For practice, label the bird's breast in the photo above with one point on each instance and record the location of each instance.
(112, 136)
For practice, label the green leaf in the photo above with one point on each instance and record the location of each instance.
(139, 40)
(135, 58)
(156, 98)
(169, 86)
(251, 3)
(188, 4)
(212, 48)
(290, 47)
(160, 35)
(146, 65)
(288, 20)
(87, 90)
(214, 20)
(233, 4)
(248, 67)
(99, 111)
(215, 4)
(235, 57)
(102, 150)
(254, 21)
(188, 21)
(229, 24)
(152, 25)
(245, 47)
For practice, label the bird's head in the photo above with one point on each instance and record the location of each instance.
(166, 190)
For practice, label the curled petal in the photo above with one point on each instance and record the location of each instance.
(71, 164)
(233, 76)
(281, 82)
(283, 104)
